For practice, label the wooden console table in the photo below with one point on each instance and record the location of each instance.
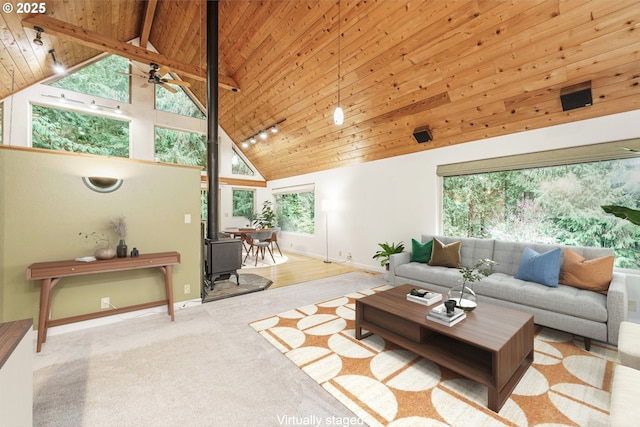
(50, 274)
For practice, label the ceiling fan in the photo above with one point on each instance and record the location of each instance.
(154, 76)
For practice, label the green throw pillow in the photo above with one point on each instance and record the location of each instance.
(421, 252)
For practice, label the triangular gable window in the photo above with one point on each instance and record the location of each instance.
(177, 103)
(107, 78)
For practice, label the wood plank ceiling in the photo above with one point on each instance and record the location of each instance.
(467, 69)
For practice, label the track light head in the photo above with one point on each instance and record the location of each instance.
(38, 40)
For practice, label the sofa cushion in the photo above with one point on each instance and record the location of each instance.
(543, 268)
(443, 276)
(593, 274)
(421, 252)
(445, 255)
(471, 250)
(564, 299)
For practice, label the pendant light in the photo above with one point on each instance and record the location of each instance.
(338, 115)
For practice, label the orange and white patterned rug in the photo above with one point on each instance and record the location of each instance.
(383, 384)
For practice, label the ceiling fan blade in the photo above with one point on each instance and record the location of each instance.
(177, 82)
(138, 67)
(163, 70)
(169, 88)
(145, 84)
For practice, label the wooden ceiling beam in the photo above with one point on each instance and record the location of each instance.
(106, 44)
(147, 22)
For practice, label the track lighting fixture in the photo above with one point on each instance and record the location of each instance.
(38, 40)
(262, 134)
(57, 66)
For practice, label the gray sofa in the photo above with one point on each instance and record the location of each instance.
(586, 313)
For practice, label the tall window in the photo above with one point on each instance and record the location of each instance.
(239, 166)
(558, 204)
(295, 210)
(178, 103)
(244, 204)
(184, 148)
(62, 130)
(102, 78)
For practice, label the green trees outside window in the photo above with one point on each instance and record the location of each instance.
(91, 79)
(178, 103)
(295, 212)
(62, 130)
(239, 166)
(559, 204)
(244, 204)
(183, 148)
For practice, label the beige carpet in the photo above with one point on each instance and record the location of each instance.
(386, 385)
(208, 368)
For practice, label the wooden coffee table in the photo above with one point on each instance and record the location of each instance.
(493, 345)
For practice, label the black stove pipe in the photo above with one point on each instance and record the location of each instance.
(212, 120)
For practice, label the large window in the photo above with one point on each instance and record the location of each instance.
(183, 148)
(557, 204)
(106, 78)
(295, 210)
(63, 130)
(244, 204)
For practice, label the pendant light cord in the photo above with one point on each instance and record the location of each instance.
(339, 56)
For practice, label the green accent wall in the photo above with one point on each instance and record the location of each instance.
(44, 205)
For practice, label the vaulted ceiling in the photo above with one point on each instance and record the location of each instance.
(467, 69)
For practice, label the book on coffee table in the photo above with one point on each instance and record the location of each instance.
(422, 296)
(439, 313)
(446, 322)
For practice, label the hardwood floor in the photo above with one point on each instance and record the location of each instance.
(300, 268)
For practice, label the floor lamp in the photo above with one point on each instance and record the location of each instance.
(327, 206)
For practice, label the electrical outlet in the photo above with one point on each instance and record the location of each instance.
(104, 302)
(187, 289)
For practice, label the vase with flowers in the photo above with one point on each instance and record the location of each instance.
(119, 225)
(463, 294)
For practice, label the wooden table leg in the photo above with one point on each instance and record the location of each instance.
(168, 284)
(45, 308)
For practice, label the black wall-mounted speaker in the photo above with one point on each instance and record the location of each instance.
(576, 96)
(422, 135)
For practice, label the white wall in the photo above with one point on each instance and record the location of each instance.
(398, 199)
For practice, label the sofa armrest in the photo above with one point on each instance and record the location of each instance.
(396, 260)
(617, 306)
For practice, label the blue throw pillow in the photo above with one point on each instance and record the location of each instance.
(540, 268)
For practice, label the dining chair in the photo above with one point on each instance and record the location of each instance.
(274, 239)
(260, 241)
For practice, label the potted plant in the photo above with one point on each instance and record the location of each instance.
(266, 218)
(387, 250)
(464, 296)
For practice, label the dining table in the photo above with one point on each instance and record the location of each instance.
(240, 232)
